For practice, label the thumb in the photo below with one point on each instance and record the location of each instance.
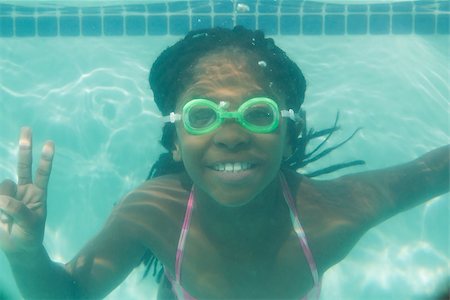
(8, 188)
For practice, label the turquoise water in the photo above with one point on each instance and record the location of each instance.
(90, 96)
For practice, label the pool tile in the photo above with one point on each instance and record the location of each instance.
(6, 27)
(248, 21)
(135, 8)
(425, 6)
(178, 6)
(268, 6)
(290, 24)
(424, 24)
(402, 7)
(223, 7)
(334, 24)
(443, 24)
(157, 25)
(402, 24)
(25, 10)
(357, 8)
(135, 25)
(290, 6)
(25, 26)
(268, 23)
(379, 24)
(335, 8)
(113, 25)
(444, 6)
(312, 7)
(225, 21)
(201, 22)
(178, 24)
(47, 26)
(157, 8)
(312, 24)
(91, 26)
(90, 10)
(6, 9)
(113, 10)
(201, 7)
(69, 26)
(47, 11)
(380, 7)
(356, 24)
(69, 10)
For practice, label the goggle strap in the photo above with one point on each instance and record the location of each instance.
(172, 118)
(290, 114)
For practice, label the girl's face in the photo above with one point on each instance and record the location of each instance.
(230, 164)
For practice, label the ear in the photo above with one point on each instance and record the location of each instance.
(176, 152)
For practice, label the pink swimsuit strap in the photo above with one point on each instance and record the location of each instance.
(298, 228)
(176, 282)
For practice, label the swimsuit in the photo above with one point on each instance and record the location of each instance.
(181, 293)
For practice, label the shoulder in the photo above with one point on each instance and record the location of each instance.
(165, 190)
(153, 212)
(331, 216)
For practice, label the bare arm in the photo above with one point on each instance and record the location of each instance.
(101, 265)
(38, 277)
(383, 193)
(338, 212)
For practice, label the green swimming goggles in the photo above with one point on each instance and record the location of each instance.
(258, 115)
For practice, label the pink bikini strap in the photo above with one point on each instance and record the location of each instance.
(300, 233)
(180, 248)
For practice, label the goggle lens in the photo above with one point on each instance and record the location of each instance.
(259, 115)
(201, 116)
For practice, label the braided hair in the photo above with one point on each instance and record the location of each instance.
(172, 73)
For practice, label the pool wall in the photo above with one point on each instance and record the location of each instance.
(288, 17)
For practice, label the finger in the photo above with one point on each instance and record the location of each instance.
(24, 157)
(7, 221)
(4, 218)
(8, 188)
(15, 209)
(45, 166)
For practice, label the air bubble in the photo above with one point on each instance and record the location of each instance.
(240, 7)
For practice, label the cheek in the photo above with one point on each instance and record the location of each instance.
(191, 149)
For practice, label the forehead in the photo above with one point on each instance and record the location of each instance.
(225, 76)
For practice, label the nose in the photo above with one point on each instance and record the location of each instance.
(231, 136)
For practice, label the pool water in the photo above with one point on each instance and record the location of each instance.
(91, 97)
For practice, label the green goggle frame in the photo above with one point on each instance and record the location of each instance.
(258, 115)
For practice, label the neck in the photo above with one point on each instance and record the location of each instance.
(247, 224)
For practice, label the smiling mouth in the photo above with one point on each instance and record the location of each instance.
(232, 167)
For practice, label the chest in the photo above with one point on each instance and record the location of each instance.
(269, 269)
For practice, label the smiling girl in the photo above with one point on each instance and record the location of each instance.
(224, 210)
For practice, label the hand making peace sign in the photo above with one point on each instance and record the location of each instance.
(23, 205)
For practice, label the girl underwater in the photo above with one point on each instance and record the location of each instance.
(224, 210)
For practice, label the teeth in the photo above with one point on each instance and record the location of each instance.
(232, 167)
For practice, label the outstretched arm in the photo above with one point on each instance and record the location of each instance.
(99, 267)
(22, 222)
(383, 193)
